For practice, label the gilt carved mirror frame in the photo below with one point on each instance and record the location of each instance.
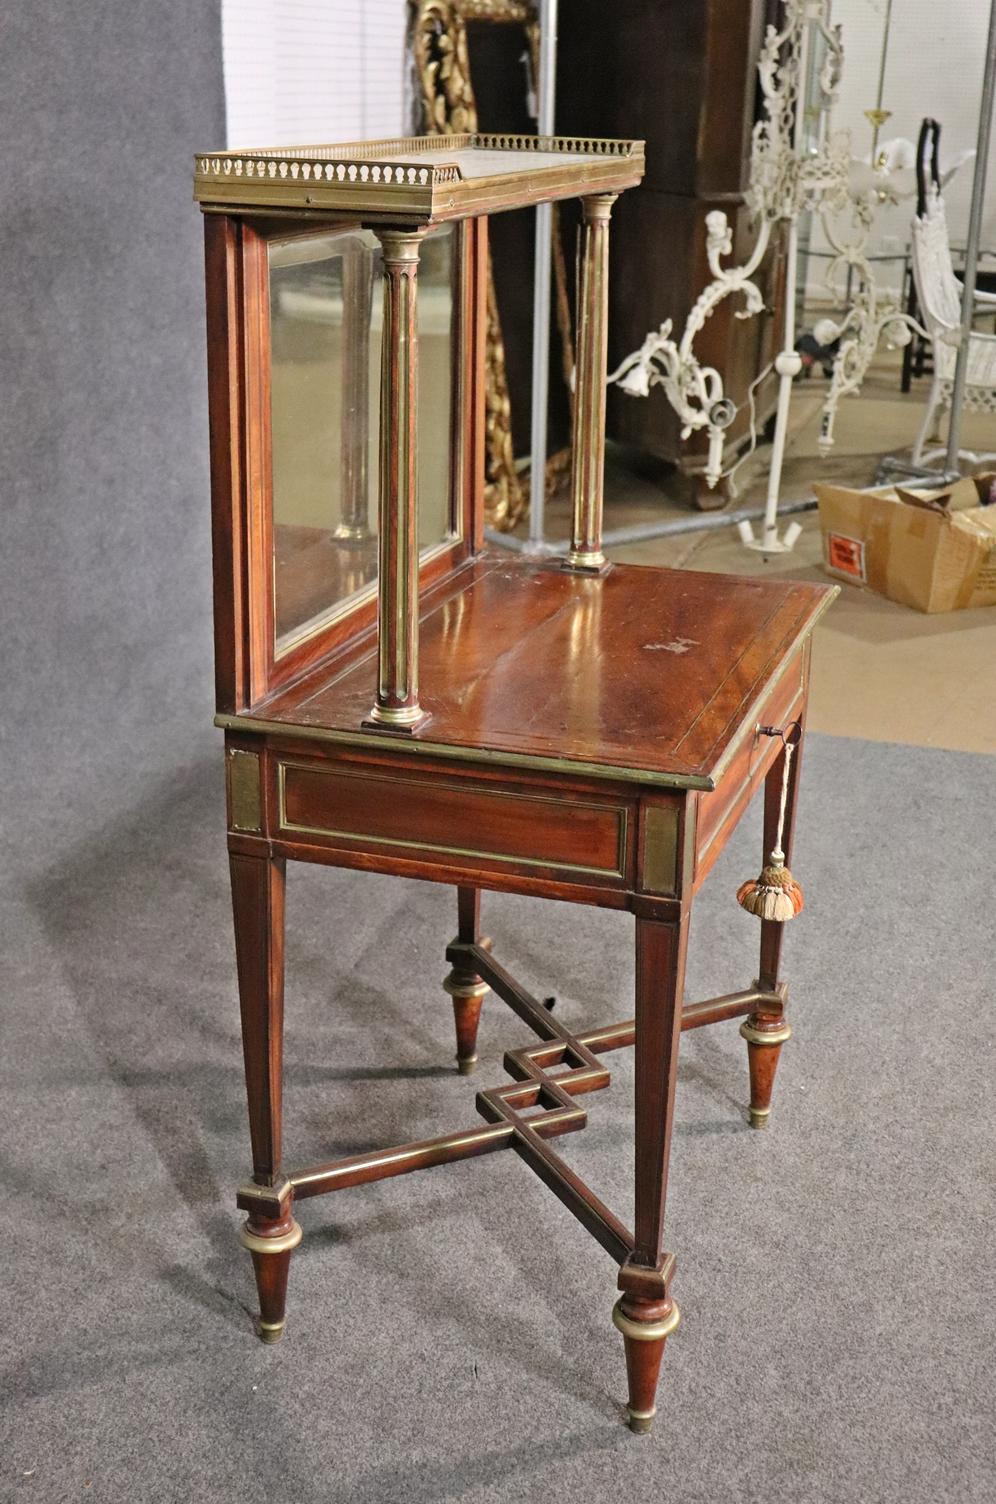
(437, 41)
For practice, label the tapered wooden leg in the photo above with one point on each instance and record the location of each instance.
(271, 1244)
(258, 907)
(646, 1315)
(465, 987)
(765, 1037)
(766, 1032)
(645, 1326)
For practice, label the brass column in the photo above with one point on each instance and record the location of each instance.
(397, 706)
(588, 452)
(357, 291)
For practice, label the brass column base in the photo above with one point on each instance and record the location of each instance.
(586, 563)
(398, 723)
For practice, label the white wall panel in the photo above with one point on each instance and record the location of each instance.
(303, 71)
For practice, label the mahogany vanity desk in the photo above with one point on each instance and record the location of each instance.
(396, 699)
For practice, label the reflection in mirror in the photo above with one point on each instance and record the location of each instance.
(326, 314)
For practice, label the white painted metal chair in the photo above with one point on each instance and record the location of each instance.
(939, 294)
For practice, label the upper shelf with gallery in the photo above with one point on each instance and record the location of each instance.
(417, 179)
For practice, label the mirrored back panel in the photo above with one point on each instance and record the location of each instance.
(326, 316)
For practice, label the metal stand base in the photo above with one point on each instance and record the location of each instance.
(642, 532)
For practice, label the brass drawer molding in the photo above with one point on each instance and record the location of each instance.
(394, 822)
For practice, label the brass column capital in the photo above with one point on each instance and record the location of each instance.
(597, 207)
(399, 247)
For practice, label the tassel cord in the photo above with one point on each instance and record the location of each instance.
(778, 855)
(775, 894)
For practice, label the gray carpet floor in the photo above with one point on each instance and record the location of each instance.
(449, 1333)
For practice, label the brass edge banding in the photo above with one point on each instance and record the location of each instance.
(645, 1331)
(761, 1036)
(302, 1180)
(258, 727)
(280, 1244)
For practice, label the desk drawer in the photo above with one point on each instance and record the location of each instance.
(720, 810)
(454, 822)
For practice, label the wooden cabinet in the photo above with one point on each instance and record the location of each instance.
(395, 699)
(683, 78)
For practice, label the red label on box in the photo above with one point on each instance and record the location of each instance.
(846, 556)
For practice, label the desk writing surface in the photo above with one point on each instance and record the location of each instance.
(641, 669)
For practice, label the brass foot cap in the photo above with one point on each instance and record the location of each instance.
(270, 1331)
(468, 1066)
(640, 1421)
(759, 1116)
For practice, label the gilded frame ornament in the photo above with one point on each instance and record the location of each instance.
(437, 40)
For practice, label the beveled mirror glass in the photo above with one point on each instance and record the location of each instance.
(326, 314)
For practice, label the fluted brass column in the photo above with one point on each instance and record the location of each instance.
(354, 526)
(588, 452)
(397, 707)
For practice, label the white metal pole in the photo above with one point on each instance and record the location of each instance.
(787, 363)
(546, 89)
(972, 244)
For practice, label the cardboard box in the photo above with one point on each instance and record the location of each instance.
(933, 550)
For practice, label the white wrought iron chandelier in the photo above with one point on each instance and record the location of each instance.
(790, 175)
